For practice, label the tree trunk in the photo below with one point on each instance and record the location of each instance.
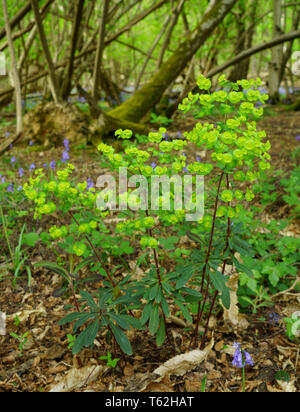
(99, 51)
(53, 80)
(67, 84)
(15, 74)
(166, 43)
(150, 52)
(245, 37)
(276, 54)
(135, 108)
(289, 48)
(19, 16)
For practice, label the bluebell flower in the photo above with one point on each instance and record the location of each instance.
(298, 137)
(13, 160)
(32, 167)
(66, 144)
(274, 318)
(21, 172)
(10, 188)
(20, 188)
(31, 143)
(185, 169)
(179, 134)
(3, 179)
(53, 164)
(153, 165)
(198, 159)
(90, 184)
(248, 359)
(7, 134)
(238, 357)
(65, 156)
(45, 166)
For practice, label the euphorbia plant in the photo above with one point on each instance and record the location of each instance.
(236, 154)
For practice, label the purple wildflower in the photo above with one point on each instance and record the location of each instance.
(32, 167)
(185, 169)
(45, 166)
(10, 188)
(31, 143)
(20, 188)
(3, 179)
(7, 134)
(274, 318)
(52, 164)
(153, 165)
(13, 160)
(198, 159)
(66, 144)
(179, 134)
(238, 357)
(65, 156)
(248, 358)
(11, 146)
(90, 184)
(21, 172)
(298, 137)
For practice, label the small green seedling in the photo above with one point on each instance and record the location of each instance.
(22, 341)
(17, 321)
(71, 340)
(109, 361)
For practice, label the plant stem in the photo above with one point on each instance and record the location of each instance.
(160, 283)
(223, 272)
(200, 311)
(244, 380)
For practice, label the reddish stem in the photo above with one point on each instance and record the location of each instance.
(223, 272)
(200, 311)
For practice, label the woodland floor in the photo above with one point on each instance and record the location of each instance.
(46, 357)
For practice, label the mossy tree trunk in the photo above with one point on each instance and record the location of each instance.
(135, 108)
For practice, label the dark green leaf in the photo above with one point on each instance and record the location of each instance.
(121, 339)
(53, 267)
(86, 338)
(219, 282)
(154, 320)
(69, 318)
(123, 323)
(161, 334)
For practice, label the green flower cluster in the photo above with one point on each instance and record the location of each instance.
(59, 193)
(149, 242)
(235, 144)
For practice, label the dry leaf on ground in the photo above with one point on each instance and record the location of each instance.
(77, 378)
